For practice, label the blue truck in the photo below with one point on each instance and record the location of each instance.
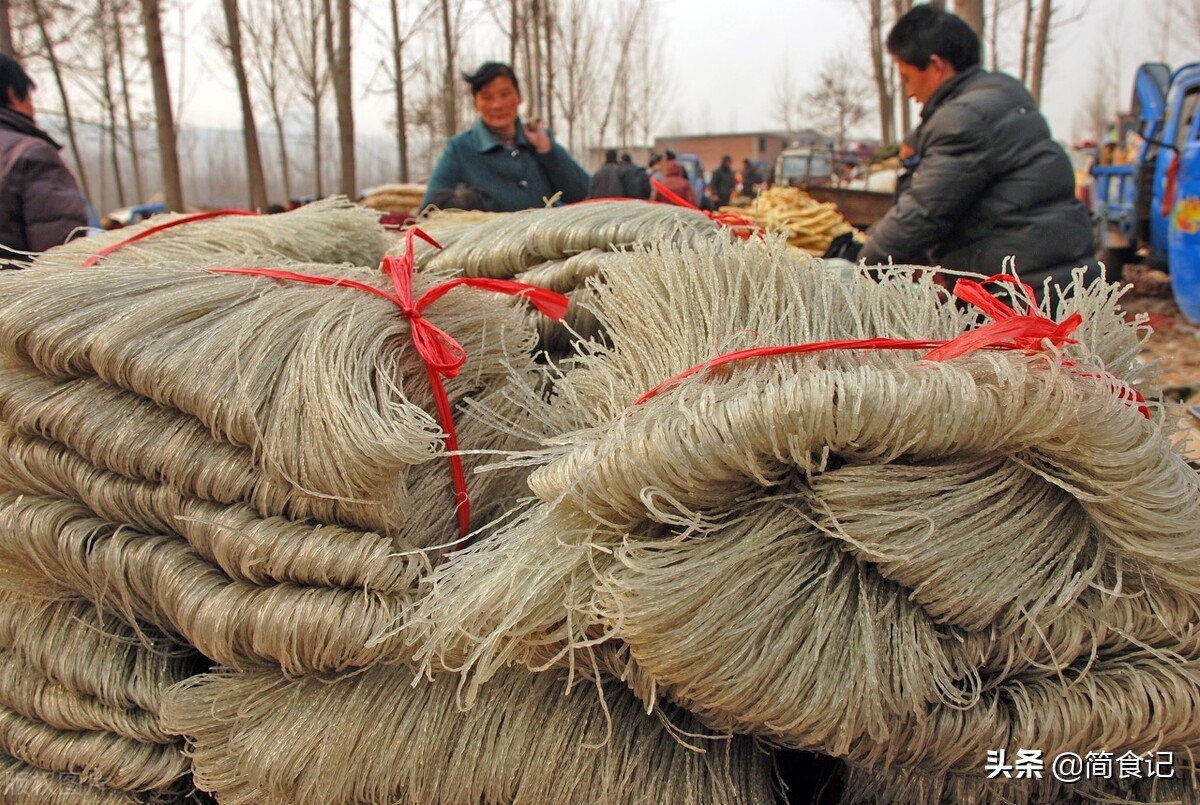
(1149, 209)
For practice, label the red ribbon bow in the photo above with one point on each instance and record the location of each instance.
(442, 355)
(1008, 330)
(740, 225)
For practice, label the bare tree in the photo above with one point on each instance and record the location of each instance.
(1098, 111)
(233, 49)
(400, 38)
(650, 78)
(1179, 22)
(48, 46)
(546, 30)
(879, 72)
(108, 101)
(6, 33)
(1026, 39)
(338, 53)
(625, 27)
(449, 53)
(118, 25)
(577, 33)
(971, 12)
(303, 21)
(264, 24)
(1041, 42)
(172, 184)
(787, 99)
(836, 104)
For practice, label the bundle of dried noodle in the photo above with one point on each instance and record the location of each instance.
(322, 385)
(560, 248)
(332, 230)
(259, 737)
(79, 705)
(159, 579)
(857, 552)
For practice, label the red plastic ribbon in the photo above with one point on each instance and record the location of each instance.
(740, 225)
(442, 355)
(154, 230)
(1008, 330)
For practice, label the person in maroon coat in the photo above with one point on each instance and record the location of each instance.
(40, 204)
(675, 180)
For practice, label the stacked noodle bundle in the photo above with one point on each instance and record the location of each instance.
(374, 737)
(248, 463)
(559, 248)
(81, 725)
(394, 198)
(333, 230)
(898, 562)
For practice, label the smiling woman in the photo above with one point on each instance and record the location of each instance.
(512, 166)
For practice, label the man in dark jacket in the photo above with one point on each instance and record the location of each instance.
(606, 182)
(984, 181)
(722, 182)
(40, 203)
(634, 178)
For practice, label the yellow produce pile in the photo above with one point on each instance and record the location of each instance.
(394, 197)
(808, 224)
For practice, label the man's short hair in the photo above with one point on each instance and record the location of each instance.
(610, 155)
(926, 31)
(14, 77)
(488, 72)
(628, 160)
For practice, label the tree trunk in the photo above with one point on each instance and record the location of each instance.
(906, 124)
(548, 31)
(887, 130)
(277, 118)
(339, 59)
(533, 33)
(134, 155)
(316, 113)
(971, 12)
(993, 37)
(6, 40)
(398, 70)
(449, 96)
(254, 166)
(62, 93)
(107, 101)
(1040, 44)
(1026, 40)
(172, 185)
(514, 16)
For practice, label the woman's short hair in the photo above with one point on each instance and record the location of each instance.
(13, 76)
(925, 31)
(488, 72)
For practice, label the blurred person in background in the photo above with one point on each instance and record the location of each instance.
(723, 181)
(606, 182)
(40, 203)
(751, 178)
(634, 178)
(674, 178)
(515, 166)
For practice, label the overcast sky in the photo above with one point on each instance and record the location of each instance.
(724, 59)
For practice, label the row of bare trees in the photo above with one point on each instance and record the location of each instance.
(118, 67)
(1002, 25)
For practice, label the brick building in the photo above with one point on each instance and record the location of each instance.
(759, 145)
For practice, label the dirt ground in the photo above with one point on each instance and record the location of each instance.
(1175, 344)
